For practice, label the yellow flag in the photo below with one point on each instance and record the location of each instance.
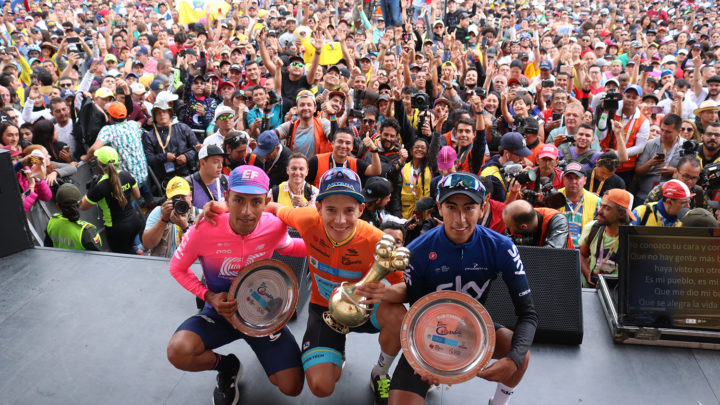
(331, 52)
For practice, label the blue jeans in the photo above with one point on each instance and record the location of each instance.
(391, 12)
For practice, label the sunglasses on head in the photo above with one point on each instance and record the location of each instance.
(463, 182)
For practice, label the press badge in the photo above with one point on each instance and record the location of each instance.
(169, 167)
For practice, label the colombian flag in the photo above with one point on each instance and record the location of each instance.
(191, 11)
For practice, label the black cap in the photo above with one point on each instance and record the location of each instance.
(376, 188)
(461, 183)
(296, 58)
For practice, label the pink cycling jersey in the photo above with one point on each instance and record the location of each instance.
(223, 252)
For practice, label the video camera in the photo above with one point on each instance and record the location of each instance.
(528, 125)
(710, 176)
(357, 107)
(611, 101)
(551, 197)
(421, 102)
(515, 171)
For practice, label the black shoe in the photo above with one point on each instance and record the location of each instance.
(381, 388)
(226, 391)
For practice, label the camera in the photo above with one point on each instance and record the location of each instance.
(515, 171)
(556, 116)
(273, 97)
(611, 101)
(528, 125)
(180, 206)
(570, 139)
(646, 68)
(689, 147)
(420, 101)
(551, 197)
(548, 83)
(357, 107)
(710, 176)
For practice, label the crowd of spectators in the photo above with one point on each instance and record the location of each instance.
(579, 116)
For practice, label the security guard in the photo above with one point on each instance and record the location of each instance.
(67, 230)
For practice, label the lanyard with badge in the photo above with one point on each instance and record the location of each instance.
(169, 166)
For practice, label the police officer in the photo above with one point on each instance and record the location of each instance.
(66, 230)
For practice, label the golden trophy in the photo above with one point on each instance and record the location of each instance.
(344, 308)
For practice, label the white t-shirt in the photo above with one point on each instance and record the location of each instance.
(65, 135)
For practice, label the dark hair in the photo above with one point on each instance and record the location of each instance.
(466, 121)
(586, 126)
(673, 120)
(392, 123)
(372, 110)
(346, 131)
(115, 183)
(457, 114)
(43, 132)
(682, 83)
(713, 124)
(70, 211)
(692, 160)
(56, 100)
(4, 126)
(395, 226)
(409, 90)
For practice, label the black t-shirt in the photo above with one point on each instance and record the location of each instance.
(290, 88)
(612, 182)
(102, 195)
(313, 168)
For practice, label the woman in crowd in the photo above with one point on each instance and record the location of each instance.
(112, 193)
(689, 131)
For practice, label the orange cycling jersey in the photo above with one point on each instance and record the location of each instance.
(330, 265)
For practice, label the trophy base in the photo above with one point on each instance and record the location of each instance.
(335, 325)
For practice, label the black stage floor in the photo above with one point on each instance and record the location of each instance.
(79, 328)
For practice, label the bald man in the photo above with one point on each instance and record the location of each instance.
(530, 226)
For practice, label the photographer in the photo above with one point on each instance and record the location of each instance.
(664, 213)
(512, 150)
(573, 117)
(267, 113)
(168, 222)
(627, 120)
(528, 226)
(547, 161)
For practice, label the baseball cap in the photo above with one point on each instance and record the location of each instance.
(575, 167)
(249, 180)
(137, 88)
(157, 85)
(177, 186)
(113, 73)
(446, 158)
(515, 142)
(110, 58)
(676, 189)
(117, 110)
(340, 180)
(224, 83)
(635, 87)
(548, 150)
(461, 183)
(142, 50)
(698, 218)
(376, 188)
(545, 64)
(267, 141)
(68, 194)
(621, 198)
(107, 155)
(210, 150)
(304, 93)
(67, 93)
(223, 110)
(104, 92)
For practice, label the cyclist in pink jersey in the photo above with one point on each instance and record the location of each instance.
(244, 235)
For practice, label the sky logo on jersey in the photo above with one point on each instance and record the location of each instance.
(515, 255)
(470, 288)
(230, 267)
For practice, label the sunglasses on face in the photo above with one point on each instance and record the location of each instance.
(226, 117)
(297, 64)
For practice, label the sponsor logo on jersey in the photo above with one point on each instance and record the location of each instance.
(406, 275)
(230, 267)
(524, 293)
(352, 252)
(275, 336)
(443, 269)
(223, 252)
(515, 255)
(318, 249)
(432, 256)
(348, 262)
(260, 246)
(470, 288)
(475, 267)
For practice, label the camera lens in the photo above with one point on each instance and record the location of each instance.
(180, 206)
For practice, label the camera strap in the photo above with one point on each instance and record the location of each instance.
(167, 141)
